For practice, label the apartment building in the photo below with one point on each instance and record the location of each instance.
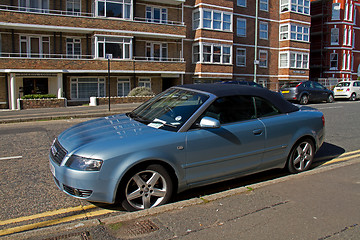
(224, 42)
(335, 38)
(63, 47)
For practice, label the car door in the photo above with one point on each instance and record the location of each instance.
(320, 92)
(236, 147)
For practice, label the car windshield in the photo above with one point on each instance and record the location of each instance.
(343, 84)
(169, 110)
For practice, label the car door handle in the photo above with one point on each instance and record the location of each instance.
(257, 132)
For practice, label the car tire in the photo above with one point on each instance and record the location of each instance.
(301, 156)
(330, 98)
(353, 97)
(304, 99)
(146, 187)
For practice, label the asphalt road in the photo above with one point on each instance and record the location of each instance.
(27, 189)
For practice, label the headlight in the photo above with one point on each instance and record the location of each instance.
(84, 164)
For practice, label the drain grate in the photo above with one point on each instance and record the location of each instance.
(72, 236)
(142, 227)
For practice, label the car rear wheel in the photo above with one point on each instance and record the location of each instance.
(353, 97)
(301, 156)
(304, 99)
(146, 188)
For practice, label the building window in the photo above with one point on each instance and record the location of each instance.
(240, 57)
(84, 88)
(212, 53)
(298, 6)
(296, 32)
(263, 82)
(156, 51)
(263, 58)
(73, 47)
(35, 46)
(333, 61)
(334, 36)
(264, 30)
(34, 5)
(241, 27)
(335, 11)
(114, 8)
(120, 48)
(123, 86)
(73, 6)
(241, 3)
(210, 19)
(294, 60)
(145, 82)
(284, 61)
(157, 15)
(264, 5)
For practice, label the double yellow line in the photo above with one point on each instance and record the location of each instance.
(50, 222)
(341, 158)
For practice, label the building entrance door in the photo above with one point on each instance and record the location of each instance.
(36, 86)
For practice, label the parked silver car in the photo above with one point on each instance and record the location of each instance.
(187, 136)
(347, 89)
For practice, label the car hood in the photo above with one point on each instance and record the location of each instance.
(107, 129)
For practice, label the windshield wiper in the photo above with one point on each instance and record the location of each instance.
(142, 120)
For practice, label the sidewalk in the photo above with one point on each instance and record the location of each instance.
(8, 116)
(319, 204)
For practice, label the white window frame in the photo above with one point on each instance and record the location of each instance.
(102, 40)
(334, 36)
(242, 20)
(284, 63)
(144, 82)
(43, 41)
(298, 6)
(42, 6)
(241, 58)
(121, 81)
(74, 43)
(71, 6)
(264, 32)
(294, 60)
(150, 14)
(301, 32)
(199, 22)
(263, 63)
(125, 5)
(101, 83)
(335, 13)
(334, 60)
(163, 51)
(264, 5)
(210, 55)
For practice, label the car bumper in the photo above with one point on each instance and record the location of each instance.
(91, 186)
(342, 94)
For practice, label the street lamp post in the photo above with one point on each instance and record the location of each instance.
(256, 61)
(108, 57)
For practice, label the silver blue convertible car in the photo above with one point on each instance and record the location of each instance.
(187, 136)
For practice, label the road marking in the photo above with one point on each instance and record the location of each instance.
(46, 214)
(343, 157)
(9, 158)
(53, 222)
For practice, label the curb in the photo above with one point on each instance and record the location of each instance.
(172, 206)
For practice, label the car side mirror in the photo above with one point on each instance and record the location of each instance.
(209, 122)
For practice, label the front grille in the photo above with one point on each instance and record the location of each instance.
(57, 152)
(77, 192)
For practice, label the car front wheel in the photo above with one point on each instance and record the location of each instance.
(301, 156)
(146, 188)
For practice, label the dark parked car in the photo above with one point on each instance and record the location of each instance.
(305, 92)
(185, 137)
(245, 83)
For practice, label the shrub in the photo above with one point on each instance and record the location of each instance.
(141, 91)
(38, 96)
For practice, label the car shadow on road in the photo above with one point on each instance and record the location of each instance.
(326, 153)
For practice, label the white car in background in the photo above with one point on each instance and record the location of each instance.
(347, 89)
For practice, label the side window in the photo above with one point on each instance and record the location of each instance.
(318, 86)
(265, 108)
(231, 109)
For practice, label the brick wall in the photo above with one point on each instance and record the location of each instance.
(42, 103)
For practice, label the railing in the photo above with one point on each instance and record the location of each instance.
(81, 14)
(84, 57)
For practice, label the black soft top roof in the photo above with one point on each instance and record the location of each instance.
(223, 90)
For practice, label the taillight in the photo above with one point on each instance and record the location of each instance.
(348, 89)
(323, 120)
